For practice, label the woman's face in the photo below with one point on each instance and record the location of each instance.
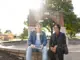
(56, 29)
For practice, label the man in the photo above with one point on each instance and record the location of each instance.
(57, 44)
(37, 41)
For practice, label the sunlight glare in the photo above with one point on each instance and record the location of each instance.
(35, 4)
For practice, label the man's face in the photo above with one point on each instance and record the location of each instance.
(56, 29)
(38, 28)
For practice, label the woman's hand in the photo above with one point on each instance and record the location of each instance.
(53, 49)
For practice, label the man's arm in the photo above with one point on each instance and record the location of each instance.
(30, 39)
(45, 40)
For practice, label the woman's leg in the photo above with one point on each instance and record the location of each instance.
(51, 55)
(60, 56)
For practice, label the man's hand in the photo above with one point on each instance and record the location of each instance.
(33, 46)
(41, 46)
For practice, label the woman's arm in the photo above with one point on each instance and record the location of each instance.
(64, 39)
(50, 42)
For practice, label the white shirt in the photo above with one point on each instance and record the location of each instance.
(38, 42)
(38, 36)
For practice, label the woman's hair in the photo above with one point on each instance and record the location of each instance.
(59, 27)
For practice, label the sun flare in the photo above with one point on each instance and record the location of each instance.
(35, 4)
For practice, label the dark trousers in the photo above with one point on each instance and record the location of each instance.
(57, 56)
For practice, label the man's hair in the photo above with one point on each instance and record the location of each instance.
(38, 24)
(59, 27)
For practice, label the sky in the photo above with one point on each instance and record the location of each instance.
(13, 13)
(76, 4)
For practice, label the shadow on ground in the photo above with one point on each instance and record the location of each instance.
(7, 56)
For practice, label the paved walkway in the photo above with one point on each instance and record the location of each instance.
(74, 53)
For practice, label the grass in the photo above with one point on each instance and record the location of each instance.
(76, 38)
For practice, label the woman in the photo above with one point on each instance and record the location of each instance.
(57, 45)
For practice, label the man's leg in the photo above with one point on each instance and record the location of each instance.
(44, 53)
(29, 53)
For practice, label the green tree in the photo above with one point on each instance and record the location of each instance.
(66, 8)
(78, 25)
(8, 31)
(48, 24)
(24, 35)
(26, 23)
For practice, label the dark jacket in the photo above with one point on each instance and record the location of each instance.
(32, 38)
(59, 41)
